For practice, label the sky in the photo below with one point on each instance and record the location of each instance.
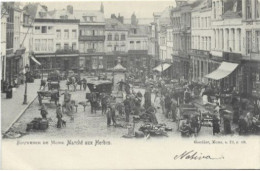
(142, 9)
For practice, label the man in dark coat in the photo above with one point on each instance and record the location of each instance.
(93, 102)
(104, 101)
(127, 105)
(59, 116)
(147, 99)
(168, 105)
(215, 124)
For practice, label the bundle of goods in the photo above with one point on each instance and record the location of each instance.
(38, 124)
(155, 130)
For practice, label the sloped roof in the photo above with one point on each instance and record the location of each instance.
(56, 14)
(141, 30)
(200, 4)
(31, 9)
(119, 67)
(165, 16)
(79, 14)
(142, 21)
(232, 9)
(117, 25)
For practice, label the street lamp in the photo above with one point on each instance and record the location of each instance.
(26, 78)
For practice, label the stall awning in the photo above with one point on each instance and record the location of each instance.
(223, 71)
(161, 67)
(35, 60)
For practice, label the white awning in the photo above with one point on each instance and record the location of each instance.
(35, 60)
(162, 67)
(225, 69)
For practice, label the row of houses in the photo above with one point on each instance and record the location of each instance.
(215, 41)
(70, 39)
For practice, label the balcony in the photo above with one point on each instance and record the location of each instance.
(92, 38)
(138, 52)
(66, 51)
(253, 56)
(91, 50)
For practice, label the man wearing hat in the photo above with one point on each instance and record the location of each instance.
(127, 107)
(59, 116)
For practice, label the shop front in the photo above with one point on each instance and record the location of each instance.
(224, 77)
(181, 65)
(14, 66)
(61, 62)
(199, 65)
(251, 79)
(163, 70)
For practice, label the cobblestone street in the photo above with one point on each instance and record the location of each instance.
(11, 109)
(85, 124)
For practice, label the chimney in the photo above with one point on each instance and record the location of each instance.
(70, 9)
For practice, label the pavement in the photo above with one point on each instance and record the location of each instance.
(12, 109)
(84, 123)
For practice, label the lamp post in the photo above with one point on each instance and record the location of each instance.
(26, 78)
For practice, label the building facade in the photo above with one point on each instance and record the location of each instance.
(91, 39)
(201, 35)
(181, 18)
(14, 52)
(4, 15)
(251, 55)
(227, 41)
(116, 42)
(55, 38)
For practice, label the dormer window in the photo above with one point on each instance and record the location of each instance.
(90, 18)
(64, 17)
(42, 14)
(134, 30)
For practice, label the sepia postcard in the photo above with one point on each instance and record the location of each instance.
(141, 84)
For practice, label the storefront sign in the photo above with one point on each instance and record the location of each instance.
(199, 53)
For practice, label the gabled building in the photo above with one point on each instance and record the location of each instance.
(55, 38)
(116, 42)
(138, 58)
(91, 38)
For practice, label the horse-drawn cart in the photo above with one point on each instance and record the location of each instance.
(53, 95)
(53, 79)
